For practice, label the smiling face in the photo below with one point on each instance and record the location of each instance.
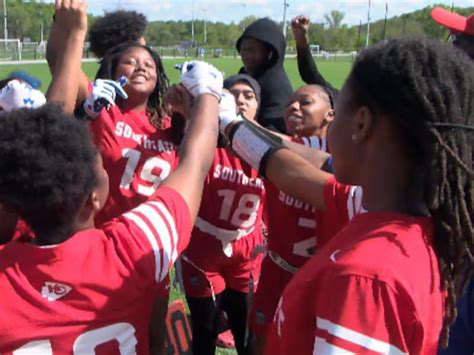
(308, 112)
(245, 99)
(138, 66)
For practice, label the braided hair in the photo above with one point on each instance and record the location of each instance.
(428, 89)
(156, 110)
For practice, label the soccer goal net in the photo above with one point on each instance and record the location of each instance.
(10, 49)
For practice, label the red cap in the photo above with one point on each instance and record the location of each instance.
(453, 22)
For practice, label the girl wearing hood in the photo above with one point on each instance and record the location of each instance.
(262, 49)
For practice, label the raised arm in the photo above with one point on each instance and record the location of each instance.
(58, 40)
(204, 83)
(71, 21)
(306, 65)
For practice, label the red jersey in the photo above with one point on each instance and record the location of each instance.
(93, 293)
(232, 200)
(291, 223)
(136, 155)
(359, 294)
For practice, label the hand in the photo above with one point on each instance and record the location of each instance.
(179, 100)
(71, 15)
(103, 95)
(201, 78)
(227, 111)
(300, 27)
(17, 94)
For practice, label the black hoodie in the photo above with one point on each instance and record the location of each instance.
(274, 83)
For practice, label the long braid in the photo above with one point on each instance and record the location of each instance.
(156, 109)
(428, 88)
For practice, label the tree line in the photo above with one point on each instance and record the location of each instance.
(28, 19)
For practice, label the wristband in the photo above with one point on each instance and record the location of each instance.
(253, 146)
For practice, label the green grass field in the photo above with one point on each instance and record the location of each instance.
(335, 72)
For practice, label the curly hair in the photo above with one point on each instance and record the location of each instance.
(156, 109)
(427, 88)
(47, 168)
(115, 28)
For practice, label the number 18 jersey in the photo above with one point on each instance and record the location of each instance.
(136, 155)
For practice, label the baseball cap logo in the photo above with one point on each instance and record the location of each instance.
(53, 291)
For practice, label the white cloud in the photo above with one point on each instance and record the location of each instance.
(235, 10)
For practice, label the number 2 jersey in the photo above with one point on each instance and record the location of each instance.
(136, 155)
(93, 293)
(291, 223)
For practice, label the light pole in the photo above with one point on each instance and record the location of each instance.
(368, 27)
(285, 5)
(204, 10)
(5, 27)
(192, 21)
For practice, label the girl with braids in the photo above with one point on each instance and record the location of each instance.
(389, 280)
(131, 130)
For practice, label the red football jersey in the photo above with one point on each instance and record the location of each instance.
(291, 223)
(359, 294)
(92, 294)
(232, 199)
(136, 155)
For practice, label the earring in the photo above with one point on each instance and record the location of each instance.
(354, 137)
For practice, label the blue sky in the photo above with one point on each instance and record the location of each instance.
(235, 10)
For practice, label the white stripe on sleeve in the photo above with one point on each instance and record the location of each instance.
(169, 218)
(306, 142)
(354, 201)
(357, 338)
(321, 346)
(160, 232)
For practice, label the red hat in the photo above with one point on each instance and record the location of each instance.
(453, 22)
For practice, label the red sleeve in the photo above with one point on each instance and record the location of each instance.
(359, 315)
(342, 203)
(154, 234)
(344, 200)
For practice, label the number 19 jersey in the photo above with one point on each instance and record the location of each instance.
(136, 155)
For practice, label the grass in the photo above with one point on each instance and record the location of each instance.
(333, 71)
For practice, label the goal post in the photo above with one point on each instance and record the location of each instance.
(10, 49)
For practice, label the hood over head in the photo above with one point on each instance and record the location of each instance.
(268, 32)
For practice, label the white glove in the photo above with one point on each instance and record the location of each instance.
(103, 95)
(201, 78)
(17, 94)
(227, 111)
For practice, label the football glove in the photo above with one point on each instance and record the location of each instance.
(103, 94)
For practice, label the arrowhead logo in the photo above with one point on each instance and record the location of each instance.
(53, 291)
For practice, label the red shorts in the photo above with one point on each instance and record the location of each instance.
(206, 269)
(273, 280)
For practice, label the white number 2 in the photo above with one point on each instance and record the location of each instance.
(305, 247)
(123, 333)
(146, 174)
(245, 214)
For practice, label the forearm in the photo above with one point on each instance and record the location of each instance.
(56, 41)
(296, 177)
(307, 67)
(196, 152)
(67, 72)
